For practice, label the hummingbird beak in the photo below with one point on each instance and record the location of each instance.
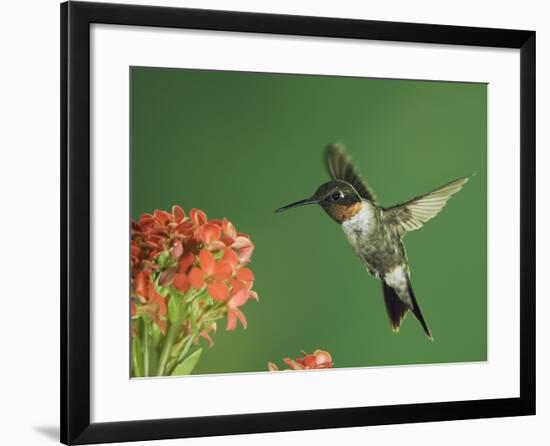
(297, 204)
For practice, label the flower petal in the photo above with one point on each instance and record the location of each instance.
(245, 275)
(229, 229)
(181, 282)
(157, 300)
(185, 228)
(239, 285)
(209, 233)
(218, 291)
(162, 217)
(162, 326)
(227, 241)
(241, 317)
(239, 298)
(272, 367)
(159, 232)
(322, 359)
(140, 284)
(309, 362)
(245, 254)
(205, 335)
(166, 276)
(231, 256)
(232, 316)
(253, 295)
(196, 278)
(145, 219)
(231, 320)
(207, 262)
(185, 262)
(223, 270)
(198, 217)
(178, 214)
(293, 364)
(217, 245)
(241, 242)
(177, 250)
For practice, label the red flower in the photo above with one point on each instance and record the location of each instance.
(178, 214)
(202, 254)
(244, 247)
(198, 217)
(211, 274)
(154, 305)
(319, 359)
(234, 312)
(181, 279)
(209, 233)
(206, 333)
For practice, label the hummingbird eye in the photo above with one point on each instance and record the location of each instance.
(337, 195)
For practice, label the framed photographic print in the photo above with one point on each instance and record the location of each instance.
(279, 222)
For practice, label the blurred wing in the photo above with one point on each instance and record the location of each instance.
(341, 167)
(413, 214)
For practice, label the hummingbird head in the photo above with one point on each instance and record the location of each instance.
(339, 199)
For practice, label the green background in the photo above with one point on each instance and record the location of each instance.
(239, 145)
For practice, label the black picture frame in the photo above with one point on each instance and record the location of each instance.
(76, 18)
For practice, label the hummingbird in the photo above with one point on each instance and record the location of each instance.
(376, 233)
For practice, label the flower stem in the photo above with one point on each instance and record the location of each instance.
(183, 352)
(167, 347)
(136, 369)
(145, 342)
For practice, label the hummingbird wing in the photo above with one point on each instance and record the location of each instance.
(412, 214)
(340, 167)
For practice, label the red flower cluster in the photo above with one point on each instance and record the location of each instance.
(190, 256)
(319, 359)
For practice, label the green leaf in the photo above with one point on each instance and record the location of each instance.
(173, 310)
(188, 364)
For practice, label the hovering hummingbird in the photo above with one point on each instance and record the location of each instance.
(376, 233)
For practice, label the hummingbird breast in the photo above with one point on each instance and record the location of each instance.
(377, 246)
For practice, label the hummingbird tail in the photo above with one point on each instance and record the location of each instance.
(417, 313)
(397, 309)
